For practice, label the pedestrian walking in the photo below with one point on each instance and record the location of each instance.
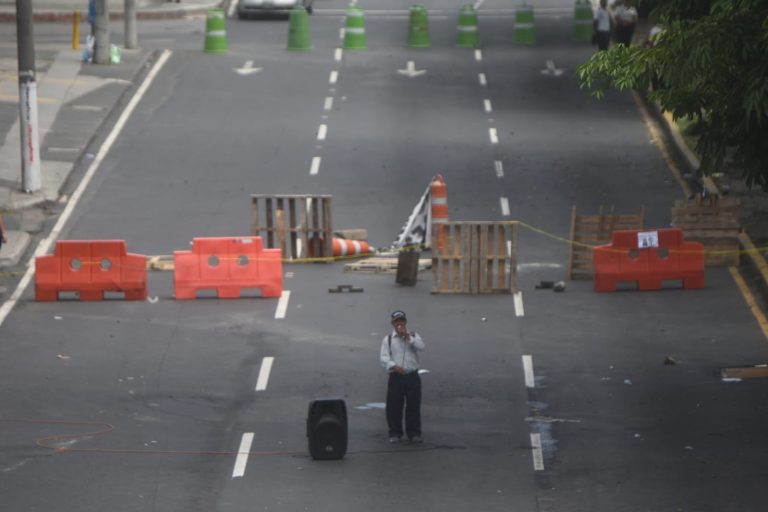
(626, 21)
(400, 356)
(602, 26)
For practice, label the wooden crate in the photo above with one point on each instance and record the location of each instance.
(713, 221)
(381, 265)
(590, 230)
(299, 225)
(477, 257)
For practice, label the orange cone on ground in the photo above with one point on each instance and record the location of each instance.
(439, 209)
(343, 247)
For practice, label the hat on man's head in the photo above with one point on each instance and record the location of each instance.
(399, 315)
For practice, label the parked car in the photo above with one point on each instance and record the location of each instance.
(248, 8)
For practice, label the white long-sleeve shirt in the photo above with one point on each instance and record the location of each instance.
(404, 354)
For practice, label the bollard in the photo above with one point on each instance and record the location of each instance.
(76, 30)
(582, 21)
(524, 29)
(418, 27)
(216, 32)
(467, 29)
(298, 29)
(354, 31)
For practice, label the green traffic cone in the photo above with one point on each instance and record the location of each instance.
(582, 21)
(354, 32)
(467, 36)
(298, 29)
(418, 27)
(524, 29)
(216, 31)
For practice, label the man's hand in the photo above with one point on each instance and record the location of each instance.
(398, 369)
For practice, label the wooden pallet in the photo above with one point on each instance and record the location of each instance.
(590, 230)
(477, 258)
(385, 265)
(713, 221)
(299, 225)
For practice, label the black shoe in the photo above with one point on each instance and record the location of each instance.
(394, 439)
(416, 440)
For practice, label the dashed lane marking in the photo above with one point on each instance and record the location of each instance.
(282, 304)
(493, 135)
(538, 455)
(322, 131)
(481, 78)
(499, 167)
(478, 55)
(337, 55)
(266, 368)
(328, 105)
(487, 105)
(334, 77)
(504, 206)
(315, 167)
(242, 455)
(528, 371)
(519, 310)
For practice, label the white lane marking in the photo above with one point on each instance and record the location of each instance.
(334, 77)
(328, 103)
(528, 369)
(493, 135)
(232, 7)
(538, 455)
(266, 368)
(282, 304)
(504, 206)
(242, 455)
(322, 132)
(509, 248)
(45, 244)
(341, 33)
(315, 167)
(481, 79)
(487, 105)
(337, 54)
(519, 310)
(499, 168)
(478, 55)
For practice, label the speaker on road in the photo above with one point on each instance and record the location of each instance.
(327, 428)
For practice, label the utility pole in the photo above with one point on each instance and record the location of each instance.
(101, 42)
(31, 180)
(131, 40)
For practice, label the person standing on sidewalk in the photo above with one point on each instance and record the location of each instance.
(400, 356)
(626, 20)
(602, 26)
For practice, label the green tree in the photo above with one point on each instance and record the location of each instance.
(709, 64)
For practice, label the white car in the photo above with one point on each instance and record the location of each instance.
(247, 8)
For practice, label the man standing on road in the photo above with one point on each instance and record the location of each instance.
(602, 26)
(400, 356)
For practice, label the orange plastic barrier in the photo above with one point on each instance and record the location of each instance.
(90, 268)
(439, 209)
(625, 260)
(228, 265)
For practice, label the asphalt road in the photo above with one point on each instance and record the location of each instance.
(619, 430)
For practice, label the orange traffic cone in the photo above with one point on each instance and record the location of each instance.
(343, 247)
(439, 204)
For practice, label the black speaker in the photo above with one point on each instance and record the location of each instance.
(327, 428)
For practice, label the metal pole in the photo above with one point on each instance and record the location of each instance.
(101, 43)
(76, 30)
(131, 39)
(31, 180)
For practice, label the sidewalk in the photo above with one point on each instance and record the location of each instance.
(63, 10)
(75, 101)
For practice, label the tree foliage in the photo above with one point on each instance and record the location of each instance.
(709, 64)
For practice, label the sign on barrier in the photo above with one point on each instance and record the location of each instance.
(478, 257)
(89, 269)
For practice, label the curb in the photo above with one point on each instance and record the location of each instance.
(755, 257)
(69, 16)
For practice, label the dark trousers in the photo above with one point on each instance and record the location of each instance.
(603, 40)
(404, 390)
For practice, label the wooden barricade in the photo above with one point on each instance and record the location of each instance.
(590, 230)
(713, 221)
(478, 257)
(299, 225)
